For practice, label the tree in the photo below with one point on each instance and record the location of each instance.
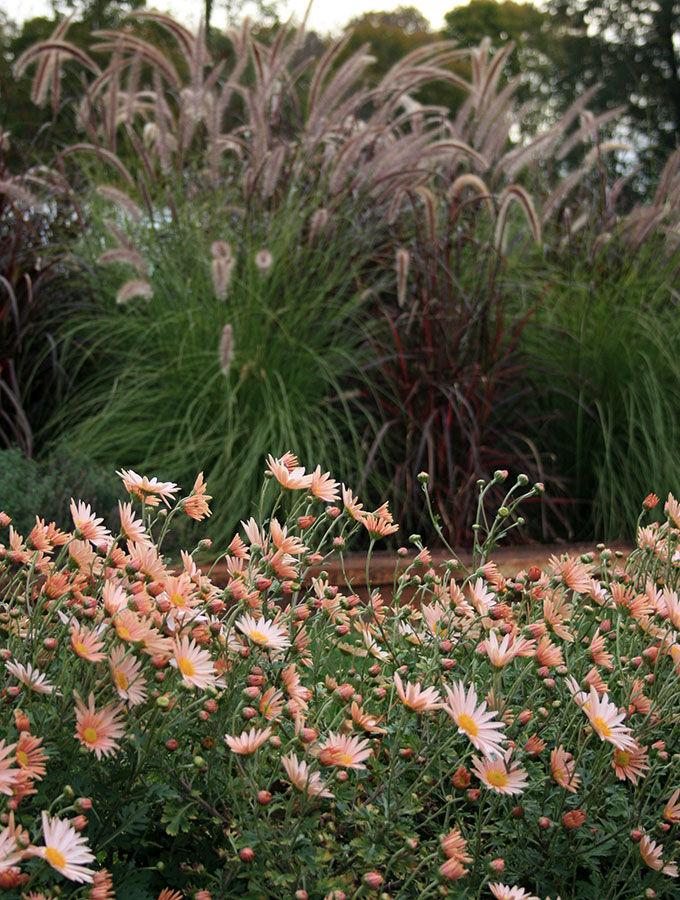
(633, 49)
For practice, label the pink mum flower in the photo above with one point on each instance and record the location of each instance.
(293, 479)
(65, 850)
(8, 775)
(417, 698)
(195, 665)
(302, 778)
(562, 766)
(504, 892)
(606, 721)
(196, 505)
(89, 526)
(248, 741)
(86, 643)
(30, 677)
(630, 764)
(671, 811)
(150, 490)
(345, 751)
(473, 721)
(125, 671)
(97, 730)
(651, 854)
(323, 486)
(495, 774)
(264, 633)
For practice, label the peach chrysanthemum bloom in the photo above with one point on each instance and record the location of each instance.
(352, 505)
(264, 633)
(499, 654)
(303, 779)
(342, 750)
(607, 721)
(651, 854)
(248, 741)
(417, 698)
(599, 655)
(132, 529)
(377, 526)
(556, 611)
(480, 727)
(534, 745)
(129, 627)
(30, 756)
(30, 677)
(454, 846)
(169, 894)
(594, 679)
(547, 653)
(671, 811)
(288, 544)
(125, 671)
(86, 643)
(574, 574)
(293, 479)
(480, 596)
(495, 774)
(672, 510)
(196, 504)
(65, 850)
(271, 704)
(102, 886)
(194, 665)
(630, 764)
(323, 486)
(149, 490)
(504, 892)
(364, 720)
(97, 729)
(87, 524)
(284, 566)
(562, 767)
(8, 775)
(114, 597)
(10, 853)
(452, 869)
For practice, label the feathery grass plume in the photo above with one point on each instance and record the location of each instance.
(403, 258)
(126, 256)
(50, 54)
(226, 348)
(264, 261)
(134, 288)
(317, 223)
(221, 268)
(121, 199)
(17, 193)
(430, 211)
(474, 181)
(516, 193)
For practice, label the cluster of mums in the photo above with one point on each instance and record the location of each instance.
(146, 635)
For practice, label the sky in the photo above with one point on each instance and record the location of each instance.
(325, 16)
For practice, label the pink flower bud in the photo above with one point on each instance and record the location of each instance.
(248, 712)
(345, 691)
(308, 735)
(264, 798)
(247, 854)
(342, 776)
(448, 663)
(333, 512)
(496, 866)
(636, 835)
(524, 717)
(544, 822)
(373, 879)
(445, 646)
(79, 822)
(473, 794)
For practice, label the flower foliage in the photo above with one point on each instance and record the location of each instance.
(255, 730)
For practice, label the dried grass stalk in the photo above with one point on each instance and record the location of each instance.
(226, 348)
(137, 287)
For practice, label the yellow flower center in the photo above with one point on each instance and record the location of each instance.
(602, 726)
(177, 599)
(80, 649)
(186, 666)
(258, 637)
(560, 774)
(468, 724)
(89, 735)
(123, 633)
(121, 679)
(22, 757)
(55, 857)
(344, 759)
(622, 758)
(496, 777)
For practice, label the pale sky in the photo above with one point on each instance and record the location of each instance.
(325, 16)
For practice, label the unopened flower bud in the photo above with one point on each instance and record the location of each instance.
(544, 822)
(247, 854)
(264, 798)
(373, 879)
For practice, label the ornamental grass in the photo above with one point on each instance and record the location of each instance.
(166, 737)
